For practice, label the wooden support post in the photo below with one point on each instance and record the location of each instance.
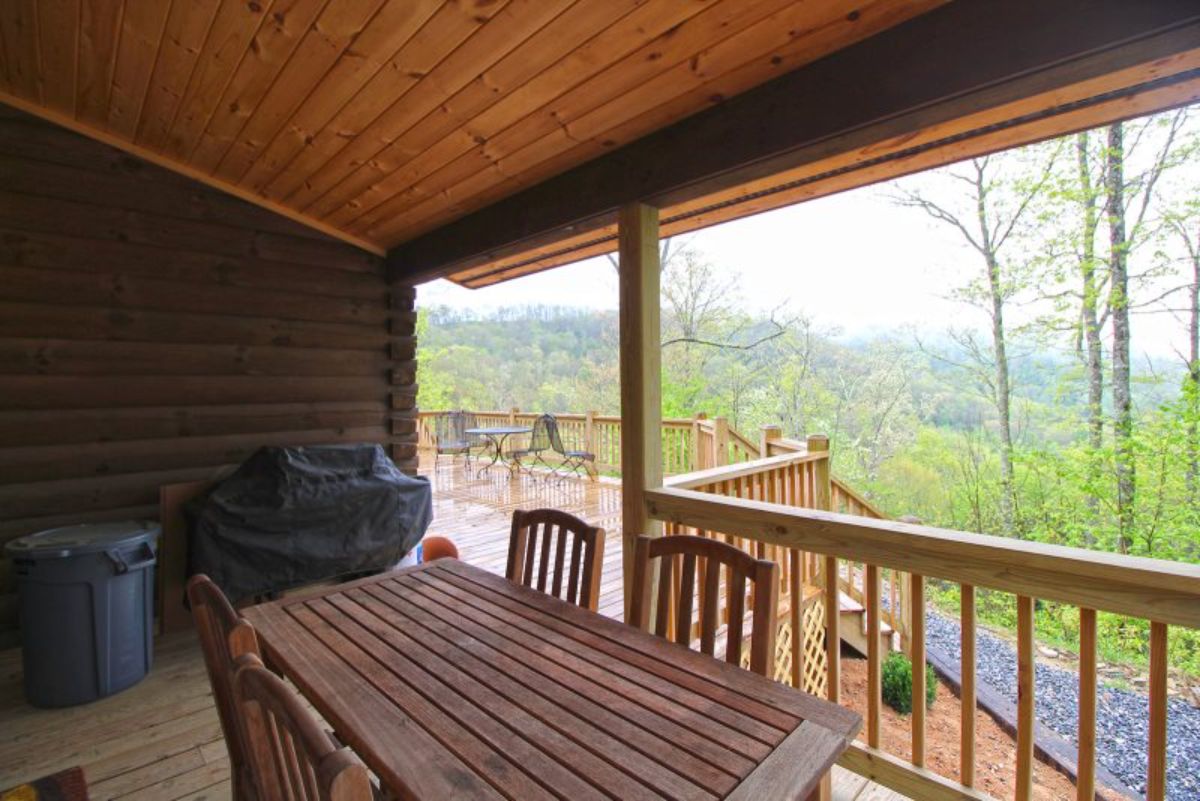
(641, 379)
(589, 442)
(720, 442)
(796, 611)
(918, 669)
(833, 634)
(1025, 698)
(1085, 782)
(1156, 769)
(512, 415)
(697, 459)
(967, 695)
(823, 488)
(874, 657)
(769, 434)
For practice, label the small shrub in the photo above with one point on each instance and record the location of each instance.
(897, 683)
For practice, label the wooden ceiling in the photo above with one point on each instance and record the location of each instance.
(379, 120)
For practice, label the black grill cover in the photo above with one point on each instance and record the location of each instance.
(291, 516)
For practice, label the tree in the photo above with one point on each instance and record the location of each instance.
(1183, 225)
(1091, 319)
(1128, 192)
(999, 198)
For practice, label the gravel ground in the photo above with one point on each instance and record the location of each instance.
(1121, 715)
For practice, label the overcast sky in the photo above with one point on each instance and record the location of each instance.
(854, 262)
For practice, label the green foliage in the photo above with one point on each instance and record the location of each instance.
(897, 680)
(910, 428)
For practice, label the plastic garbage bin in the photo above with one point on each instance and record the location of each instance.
(86, 597)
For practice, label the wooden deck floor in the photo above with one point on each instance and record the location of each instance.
(161, 740)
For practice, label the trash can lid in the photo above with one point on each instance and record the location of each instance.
(81, 539)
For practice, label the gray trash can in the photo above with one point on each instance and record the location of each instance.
(86, 596)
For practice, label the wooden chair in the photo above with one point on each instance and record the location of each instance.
(292, 758)
(530, 564)
(742, 567)
(224, 637)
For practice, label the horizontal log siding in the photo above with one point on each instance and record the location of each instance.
(153, 330)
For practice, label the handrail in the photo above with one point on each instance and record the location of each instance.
(787, 445)
(1164, 593)
(862, 502)
(737, 439)
(1136, 586)
(733, 471)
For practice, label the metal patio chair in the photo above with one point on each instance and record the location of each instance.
(539, 443)
(450, 433)
(572, 459)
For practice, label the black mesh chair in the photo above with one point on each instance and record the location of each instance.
(450, 430)
(539, 442)
(572, 460)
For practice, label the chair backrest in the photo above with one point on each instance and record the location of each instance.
(683, 551)
(553, 437)
(540, 437)
(292, 757)
(544, 543)
(469, 421)
(224, 637)
(449, 428)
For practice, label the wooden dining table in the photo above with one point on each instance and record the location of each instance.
(450, 682)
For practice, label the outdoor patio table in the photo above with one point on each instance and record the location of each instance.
(452, 682)
(497, 435)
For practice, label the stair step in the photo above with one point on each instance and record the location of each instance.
(853, 608)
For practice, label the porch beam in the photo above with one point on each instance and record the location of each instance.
(641, 378)
(958, 59)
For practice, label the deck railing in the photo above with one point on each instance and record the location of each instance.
(777, 505)
(688, 443)
(852, 577)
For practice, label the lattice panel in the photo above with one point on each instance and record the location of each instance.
(816, 663)
(815, 660)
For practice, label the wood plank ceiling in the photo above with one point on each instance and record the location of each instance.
(379, 120)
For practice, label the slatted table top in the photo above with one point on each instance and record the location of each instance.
(452, 682)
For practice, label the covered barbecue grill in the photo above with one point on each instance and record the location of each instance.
(291, 516)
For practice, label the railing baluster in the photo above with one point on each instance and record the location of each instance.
(917, 599)
(833, 636)
(967, 694)
(1025, 698)
(874, 657)
(1156, 770)
(1085, 782)
(797, 618)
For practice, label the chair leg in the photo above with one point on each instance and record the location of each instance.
(553, 468)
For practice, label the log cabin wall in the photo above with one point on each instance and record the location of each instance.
(154, 330)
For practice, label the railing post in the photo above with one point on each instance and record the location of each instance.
(720, 442)
(823, 490)
(769, 434)
(697, 462)
(512, 415)
(589, 442)
(641, 379)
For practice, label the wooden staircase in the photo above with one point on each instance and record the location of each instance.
(853, 627)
